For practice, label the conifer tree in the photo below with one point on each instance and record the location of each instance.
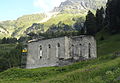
(90, 23)
(100, 19)
(113, 15)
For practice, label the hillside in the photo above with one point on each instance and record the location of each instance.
(6, 28)
(16, 28)
(65, 12)
(86, 72)
(104, 69)
(68, 19)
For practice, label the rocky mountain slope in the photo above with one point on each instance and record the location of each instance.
(4, 31)
(80, 5)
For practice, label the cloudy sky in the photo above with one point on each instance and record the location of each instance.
(12, 9)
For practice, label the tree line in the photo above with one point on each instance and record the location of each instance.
(12, 58)
(6, 40)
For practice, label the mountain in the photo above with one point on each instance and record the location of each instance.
(79, 6)
(6, 28)
(16, 28)
(65, 12)
(22, 23)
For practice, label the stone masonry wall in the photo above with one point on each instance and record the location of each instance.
(49, 55)
(60, 51)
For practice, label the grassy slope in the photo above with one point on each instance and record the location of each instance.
(77, 73)
(9, 26)
(109, 45)
(65, 18)
(101, 70)
(20, 25)
(25, 22)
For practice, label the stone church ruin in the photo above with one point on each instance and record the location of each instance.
(60, 51)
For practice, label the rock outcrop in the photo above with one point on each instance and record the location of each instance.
(82, 5)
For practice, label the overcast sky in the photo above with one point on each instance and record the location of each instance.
(12, 9)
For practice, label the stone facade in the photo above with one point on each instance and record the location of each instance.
(60, 51)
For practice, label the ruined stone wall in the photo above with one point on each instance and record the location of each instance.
(83, 47)
(52, 51)
(60, 51)
(79, 48)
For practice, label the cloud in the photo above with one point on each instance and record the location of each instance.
(47, 5)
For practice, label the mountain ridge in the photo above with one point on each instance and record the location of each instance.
(64, 12)
(80, 5)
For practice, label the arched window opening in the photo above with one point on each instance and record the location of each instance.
(40, 47)
(58, 44)
(89, 50)
(49, 46)
(40, 52)
(73, 50)
(58, 50)
(80, 49)
(48, 51)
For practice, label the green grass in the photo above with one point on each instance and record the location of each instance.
(86, 74)
(110, 45)
(65, 18)
(68, 74)
(104, 69)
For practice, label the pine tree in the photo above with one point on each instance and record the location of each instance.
(90, 24)
(113, 15)
(4, 40)
(100, 19)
